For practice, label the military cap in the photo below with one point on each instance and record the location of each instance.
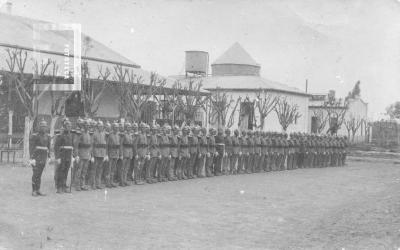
(108, 124)
(100, 123)
(66, 121)
(134, 125)
(79, 121)
(115, 125)
(227, 131)
(127, 125)
(42, 123)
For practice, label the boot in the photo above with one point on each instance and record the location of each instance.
(34, 194)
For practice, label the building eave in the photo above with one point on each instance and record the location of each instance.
(258, 89)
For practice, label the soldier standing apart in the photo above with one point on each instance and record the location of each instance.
(127, 154)
(114, 153)
(64, 152)
(100, 156)
(39, 149)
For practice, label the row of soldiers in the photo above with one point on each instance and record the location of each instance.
(111, 154)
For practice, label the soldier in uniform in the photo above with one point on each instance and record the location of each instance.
(134, 134)
(211, 153)
(219, 146)
(194, 150)
(227, 169)
(142, 147)
(85, 155)
(203, 151)
(244, 154)
(127, 154)
(250, 151)
(114, 150)
(100, 156)
(258, 152)
(154, 155)
(39, 153)
(165, 154)
(174, 149)
(64, 153)
(184, 153)
(234, 161)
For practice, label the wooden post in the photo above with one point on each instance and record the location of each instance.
(10, 124)
(27, 129)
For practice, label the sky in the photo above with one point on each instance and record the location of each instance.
(332, 44)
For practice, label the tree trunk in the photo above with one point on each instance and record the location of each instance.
(27, 131)
(52, 128)
(10, 126)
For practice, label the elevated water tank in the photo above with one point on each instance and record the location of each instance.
(196, 62)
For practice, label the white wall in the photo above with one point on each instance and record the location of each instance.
(271, 122)
(358, 109)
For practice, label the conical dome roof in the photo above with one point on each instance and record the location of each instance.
(235, 61)
(236, 55)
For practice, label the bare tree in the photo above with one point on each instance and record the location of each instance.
(171, 100)
(367, 129)
(92, 90)
(265, 103)
(322, 117)
(192, 100)
(287, 113)
(223, 106)
(352, 125)
(336, 113)
(24, 86)
(132, 91)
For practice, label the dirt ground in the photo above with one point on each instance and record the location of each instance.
(352, 207)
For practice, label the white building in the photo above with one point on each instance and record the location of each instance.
(236, 73)
(355, 109)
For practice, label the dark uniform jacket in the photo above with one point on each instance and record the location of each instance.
(153, 143)
(194, 144)
(64, 146)
(142, 145)
(99, 144)
(174, 145)
(114, 146)
(235, 145)
(203, 145)
(211, 144)
(164, 145)
(127, 144)
(184, 146)
(85, 146)
(39, 147)
(228, 144)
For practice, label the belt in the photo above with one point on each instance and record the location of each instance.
(100, 145)
(67, 147)
(127, 145)
(41, 148)
(114, 146)
(84, 145)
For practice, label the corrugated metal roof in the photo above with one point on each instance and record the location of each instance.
(19, 31)
(242, 83)
(236, 55)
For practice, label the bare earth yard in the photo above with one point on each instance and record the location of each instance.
(352, 207)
